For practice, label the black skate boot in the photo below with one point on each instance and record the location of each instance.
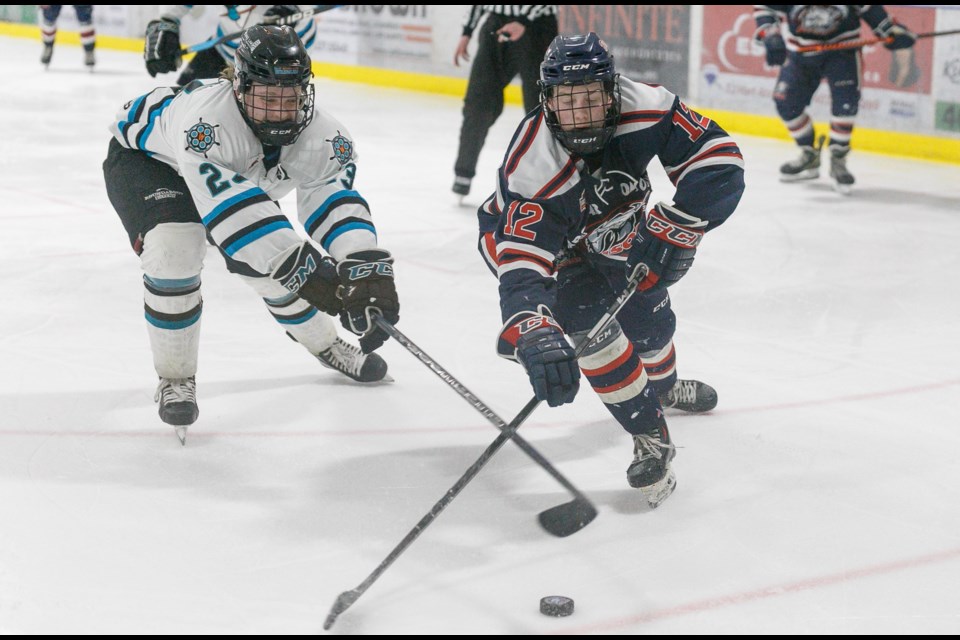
(178, 403)
(89, 59)
(353, 363)
(806, 167)
(690, 395)
(842, 178)
(650, 470)
(461, 185)
(47, 54)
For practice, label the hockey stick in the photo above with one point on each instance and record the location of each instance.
(293, 18)
(346, 599)
(562, 520)
(856, 44)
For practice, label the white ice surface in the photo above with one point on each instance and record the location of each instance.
(821, 496)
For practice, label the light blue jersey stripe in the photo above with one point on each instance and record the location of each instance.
(255, 235)
(353, 226)
(142, 136)
(322, 210)
(226, 204)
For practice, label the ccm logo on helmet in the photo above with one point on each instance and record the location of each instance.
(576, 67)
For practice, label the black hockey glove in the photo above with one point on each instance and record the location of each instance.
(538, 342)
(367, 287)
(776, 49)
(664, 245)
(280, 11)
(900, 37)
(161, 49)
(313, 277)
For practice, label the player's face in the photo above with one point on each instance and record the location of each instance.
(267, 103)
(580, 106)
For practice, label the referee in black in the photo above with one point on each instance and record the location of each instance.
(513, 40)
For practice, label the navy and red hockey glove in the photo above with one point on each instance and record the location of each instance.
(538, 342)
(664, 245)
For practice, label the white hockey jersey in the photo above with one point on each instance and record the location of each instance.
(234, 180)
(237, 17)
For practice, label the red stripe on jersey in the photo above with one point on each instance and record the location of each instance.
(509, 257)
(524, 146)
(557, 181)
(490, 246)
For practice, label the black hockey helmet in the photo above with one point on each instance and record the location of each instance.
(576, 61)
(272, 83)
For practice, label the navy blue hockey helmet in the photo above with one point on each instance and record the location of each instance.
(272, 83)
(583, 121)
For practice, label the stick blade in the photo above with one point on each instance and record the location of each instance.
(567, 518)
(343, 602)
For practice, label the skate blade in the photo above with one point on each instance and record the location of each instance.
(657, 493)
(843, 189)
(181, 435)
(810, 174)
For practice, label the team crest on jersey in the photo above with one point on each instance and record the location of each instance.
(342, 148)
(202, 137)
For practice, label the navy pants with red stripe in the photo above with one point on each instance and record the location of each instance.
(800, 76)
(585, 291)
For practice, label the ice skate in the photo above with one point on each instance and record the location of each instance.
(89, 59)
(353, 363)
(650, 470)
(47, 54)
(842, 178)
(690, 395)
(178, 403)
(806, 167)
(461, 187)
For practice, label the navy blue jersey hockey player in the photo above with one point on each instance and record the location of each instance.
(800, 75)
(570, 222)
(211, 160)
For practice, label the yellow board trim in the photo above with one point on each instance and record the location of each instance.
(893, 143)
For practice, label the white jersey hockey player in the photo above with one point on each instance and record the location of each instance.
(210, 160)
(162, 52)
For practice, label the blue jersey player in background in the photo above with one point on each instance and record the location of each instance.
(570, 222)
(800, 75)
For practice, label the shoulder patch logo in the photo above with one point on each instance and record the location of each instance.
(342, 148)
(202, 137)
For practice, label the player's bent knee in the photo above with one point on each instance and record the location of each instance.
(174, 250)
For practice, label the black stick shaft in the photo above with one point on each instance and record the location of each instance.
(346, 599)
(477, 404)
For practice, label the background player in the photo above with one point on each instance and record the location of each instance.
(801, 73)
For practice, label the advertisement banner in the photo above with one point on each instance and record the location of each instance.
(734, 75)
(650, 43)
(396, 36)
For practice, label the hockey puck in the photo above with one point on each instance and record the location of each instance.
(557, 606)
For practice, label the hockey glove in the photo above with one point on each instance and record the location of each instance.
(161, 49)
(367, 287)
(664, 246)
(540, 345)
(776, 49)
(280, 11)
(313, 277)
(900, 37)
